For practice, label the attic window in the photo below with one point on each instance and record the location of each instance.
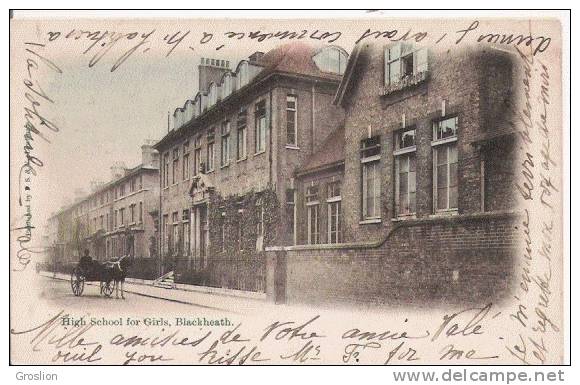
(331, 59)
(404, 62)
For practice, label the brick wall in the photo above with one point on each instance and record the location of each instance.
(322, 180)
(475, 86)
(445, 260)
(271, 169)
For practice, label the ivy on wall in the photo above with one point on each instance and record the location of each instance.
(235, 256)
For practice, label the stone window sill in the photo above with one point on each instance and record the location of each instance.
(444, 213)
(370, 221)
(404, 218)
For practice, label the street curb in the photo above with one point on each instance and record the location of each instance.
(153, 296)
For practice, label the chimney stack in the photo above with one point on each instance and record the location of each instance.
(149, 156)
(118, 170)
(95, 184)
(79, 194)
(211, 70)
(255, 57)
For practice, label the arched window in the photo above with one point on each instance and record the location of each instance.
(188, 110)
(331, 59)
(227, 85)
(197, 103)
(177, 118)
(243, 74)
(212, 95)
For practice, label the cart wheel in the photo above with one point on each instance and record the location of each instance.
(107, 288)
(77, 282)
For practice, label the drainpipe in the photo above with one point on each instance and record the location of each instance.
(313, 122)
(270, 141)
(159, 216)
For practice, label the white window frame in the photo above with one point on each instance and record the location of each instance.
(175, 232)
(174, 165)
(398, 159)
(260, 228)
(399, 154)
(211, 154)
(166, 157)
(260, 130)
(420, 61)
(313, 236)
(313, 207)
(448, 143)
(225, 143)
(186, 220)
(375, 161)
(185, 165)
(332, 203)
(322, 60)
(292, 98)
(197, 151)
(242, 150)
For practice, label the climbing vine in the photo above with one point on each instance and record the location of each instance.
(235, 248)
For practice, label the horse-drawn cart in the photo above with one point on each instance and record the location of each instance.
(92, 272)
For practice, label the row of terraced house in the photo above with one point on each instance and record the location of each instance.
(308, 174)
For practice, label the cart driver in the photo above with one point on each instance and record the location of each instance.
(86, 261)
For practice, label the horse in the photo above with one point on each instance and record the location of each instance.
(119, 270)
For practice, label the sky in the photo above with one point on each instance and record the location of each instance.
(105, 116)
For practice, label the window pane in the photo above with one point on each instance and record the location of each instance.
(406, 139)
(407, 65)
(453, 197)
(395, 52)
(441, 155)
(412, 202)
(370, 190)
(452, 154)
(421, 60)
(394, 72)
(441, 198)
(442, 176)
(403, 164)
(403, 191)
(406, 48)
(446, 128)
(453, 174)
(290, 127)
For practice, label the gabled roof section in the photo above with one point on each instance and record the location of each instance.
(346, 82)
(295, 58)
(330, 154)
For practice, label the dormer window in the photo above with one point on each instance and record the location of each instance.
(404, 62)
(212, 95)
(331, 59)
(227, 85)
(243, 75)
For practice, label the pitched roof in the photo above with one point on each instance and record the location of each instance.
(296, 58)
(345, 83)
(329, 154)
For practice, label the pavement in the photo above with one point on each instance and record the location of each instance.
(208, 299)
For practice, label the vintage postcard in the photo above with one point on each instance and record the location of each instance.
(364, 190)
